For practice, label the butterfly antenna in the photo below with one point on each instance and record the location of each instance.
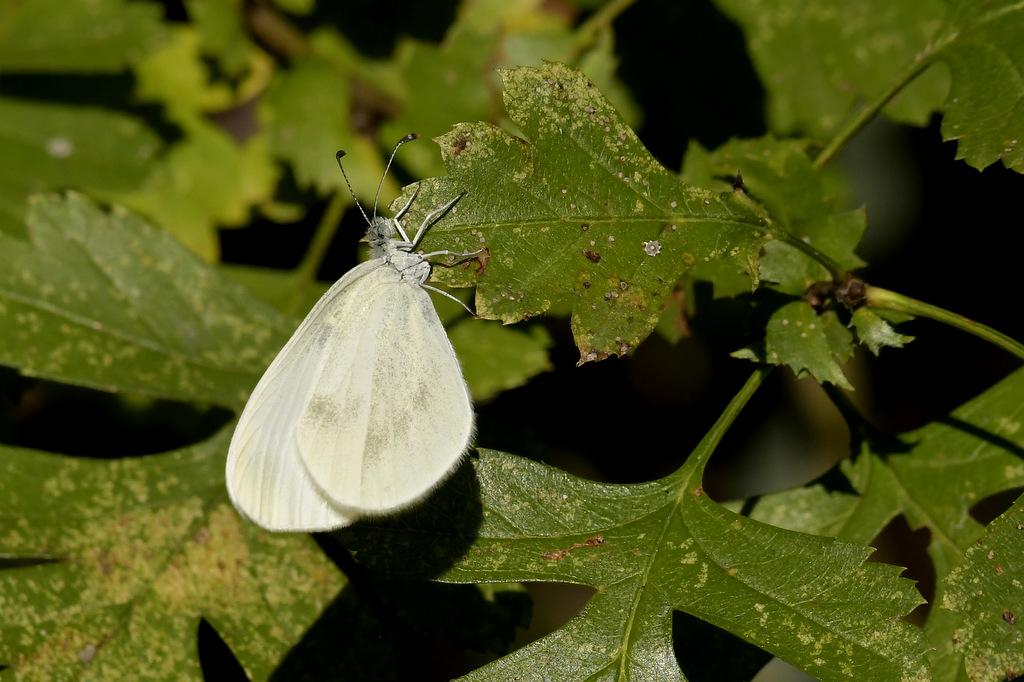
(341, 153)
(408, 138)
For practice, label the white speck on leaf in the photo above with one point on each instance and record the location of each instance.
(60, 147)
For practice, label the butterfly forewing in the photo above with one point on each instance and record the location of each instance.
(384, 448)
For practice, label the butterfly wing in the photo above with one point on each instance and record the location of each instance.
(386, 423)
(266, 477)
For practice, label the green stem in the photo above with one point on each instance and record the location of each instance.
(865, 115)
(600, 21)
(698, 459)
(305, 273)
(835, 270)
(322, 237)
(876, 297)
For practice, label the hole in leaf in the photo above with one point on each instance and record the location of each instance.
(986, 511)
(215, 658)
(96, 423)
(898, 545)
(706, 652)
(554, 605)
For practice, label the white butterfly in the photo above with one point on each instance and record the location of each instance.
(364, 411)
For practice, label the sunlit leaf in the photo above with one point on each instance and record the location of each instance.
(130, 554)
(650, 549)
(578, 212)
(105, 300)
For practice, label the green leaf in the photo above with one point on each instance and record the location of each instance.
(934, 476)
(496, 358)
(176, 77)
(306, 114)
(442, 83)
(818, 59)
(50, 146)
(987, 592)
(813, 509)
(79, 37)
(985, 110)
(107, 301)
(810, 343)
(779, 175)
(650, 549)
(221, 23)
(875, 332)
(122, 558)
(578, 213)
(204, 181)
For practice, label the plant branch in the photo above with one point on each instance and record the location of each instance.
(866, 114)
(601, 20)
(876, 297)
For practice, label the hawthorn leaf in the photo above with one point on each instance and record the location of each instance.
(934, 476)
(443, 82)
(577, 213)
(779, 175)
(224, 33)
(650, 549)
(809, 342)
(818, 59)
(985, 110)
(107, 301)
(121, 558)
(305, 111)
(875, 332)
(987, 592)
(496, 358)
(48, 146)
(77, 37)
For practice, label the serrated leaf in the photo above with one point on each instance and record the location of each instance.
(779, 175)
(443, 83)
(76, 37)
(808, 342)
(650, 549)
(176, 77)
(133, 553)
(107, 301)
(934, 476)
(875, 332)
(306, 113)
(204, 181)
(49, 146)
(985, 109)
(224, 35)
(817, 59)
(579, 213)
(987, 592)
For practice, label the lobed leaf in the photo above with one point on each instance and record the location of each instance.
(985, 110)
(987, 592)
(650, 549)
(578, 213)
(121, 558)
(107, 301)
(818, 59)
